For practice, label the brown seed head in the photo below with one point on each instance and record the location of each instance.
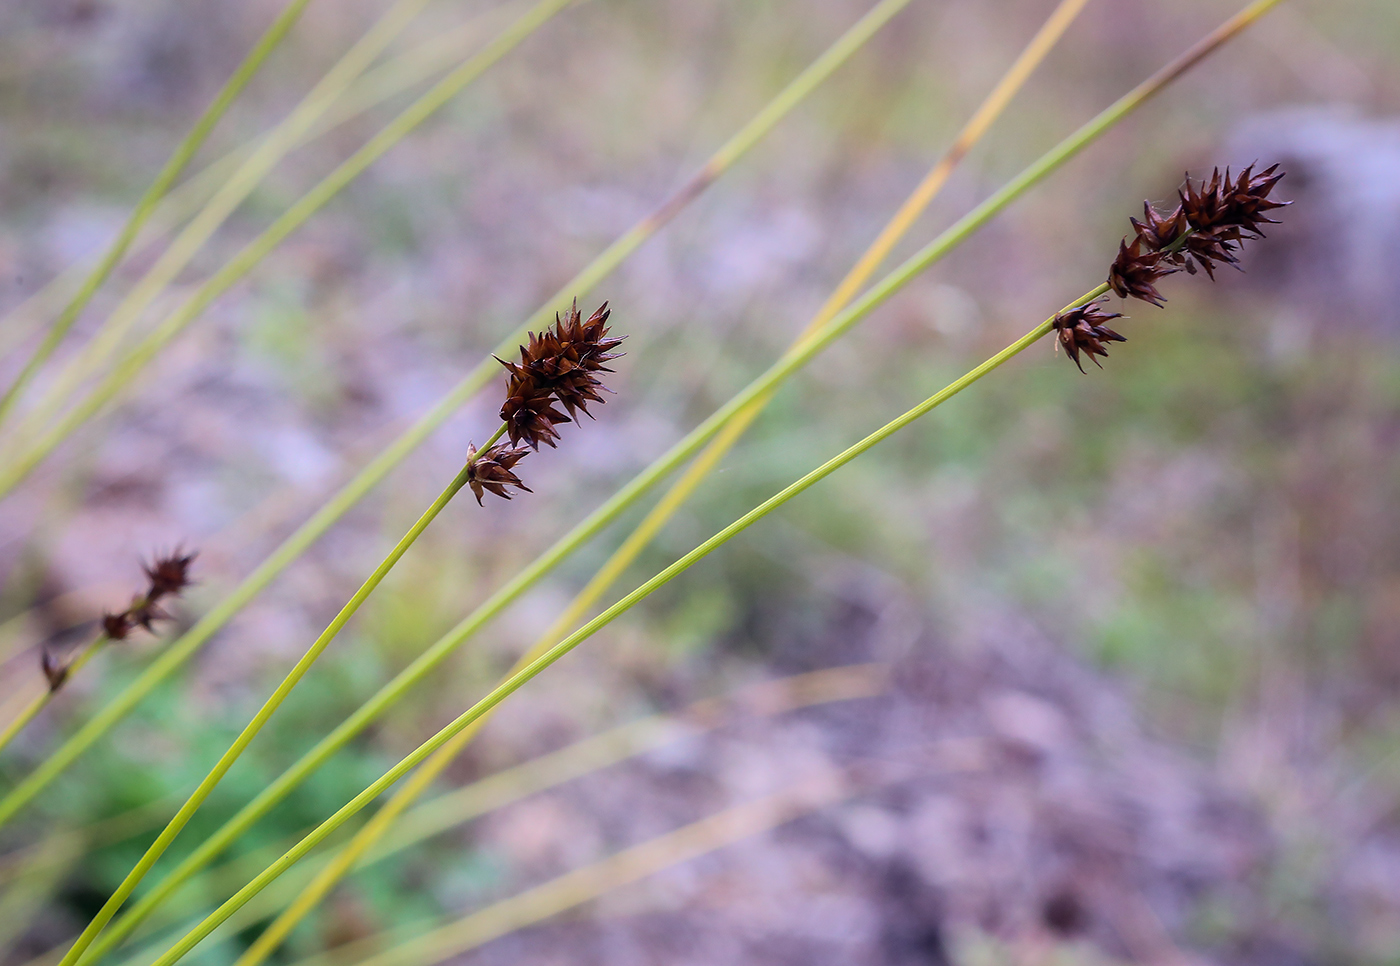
(54, 671)
(169, 575)
(559, 365)
(529, 411)
(1158, 231)
(491, 470)
(1084, 330)
(1234, 207)
(1135, 271)
(117, 626)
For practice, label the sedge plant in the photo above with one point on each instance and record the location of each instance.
(786, 366)
(1205, 231)
(184, 647)
(364, 839)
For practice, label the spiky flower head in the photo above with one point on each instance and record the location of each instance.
(1085, 330)
(117, 626)
(529, 412)
(169, 575)
(491, 470)
(559, 365)
(1136, 270)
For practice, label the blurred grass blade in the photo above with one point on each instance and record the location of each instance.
(788, 364)
(146, 205)
(185, 646)
(574, 761)
(377, 85)
(36, 881)
(503, 788)
(865, 266)
(572, 889)
(269, 707)
(249, 174)
(1001, 94)
(379, 467)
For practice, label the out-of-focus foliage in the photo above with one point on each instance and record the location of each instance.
(1208, 526)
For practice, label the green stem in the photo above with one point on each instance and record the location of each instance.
(225, 762)
(126, 369)
(183, 153)
(378, 468)
(515, 681)
(396, 688)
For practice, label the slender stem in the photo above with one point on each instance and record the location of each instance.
(225, 201)
(897, 227)
(130, 365)
(183, 153)
(573, 762)
(41, 701)
(908, 213)
(380, 466)
(373, 88)
(516, 681)
(221, 767)
(396, 688)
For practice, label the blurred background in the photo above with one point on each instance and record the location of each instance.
(1126, 644)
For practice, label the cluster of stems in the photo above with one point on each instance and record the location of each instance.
(558, 368)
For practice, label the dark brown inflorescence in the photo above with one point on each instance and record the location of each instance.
(168, 577)
(1136, 270)
(1203, 231)
(1084, 330)
(492, 470)
(558, 368)
(560, 365)
(55, 671)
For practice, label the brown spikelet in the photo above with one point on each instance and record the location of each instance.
(491, 470)
(55, 672)
(1223, 212)
(1135, 271)
(1084, 330)
(117, 626)
(559, 365)
(529, 411)
(1158, 231)
(169, 575)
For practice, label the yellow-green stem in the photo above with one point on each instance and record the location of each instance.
(379, 467)
(516, 681)
(923, 195)
(298, 671)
